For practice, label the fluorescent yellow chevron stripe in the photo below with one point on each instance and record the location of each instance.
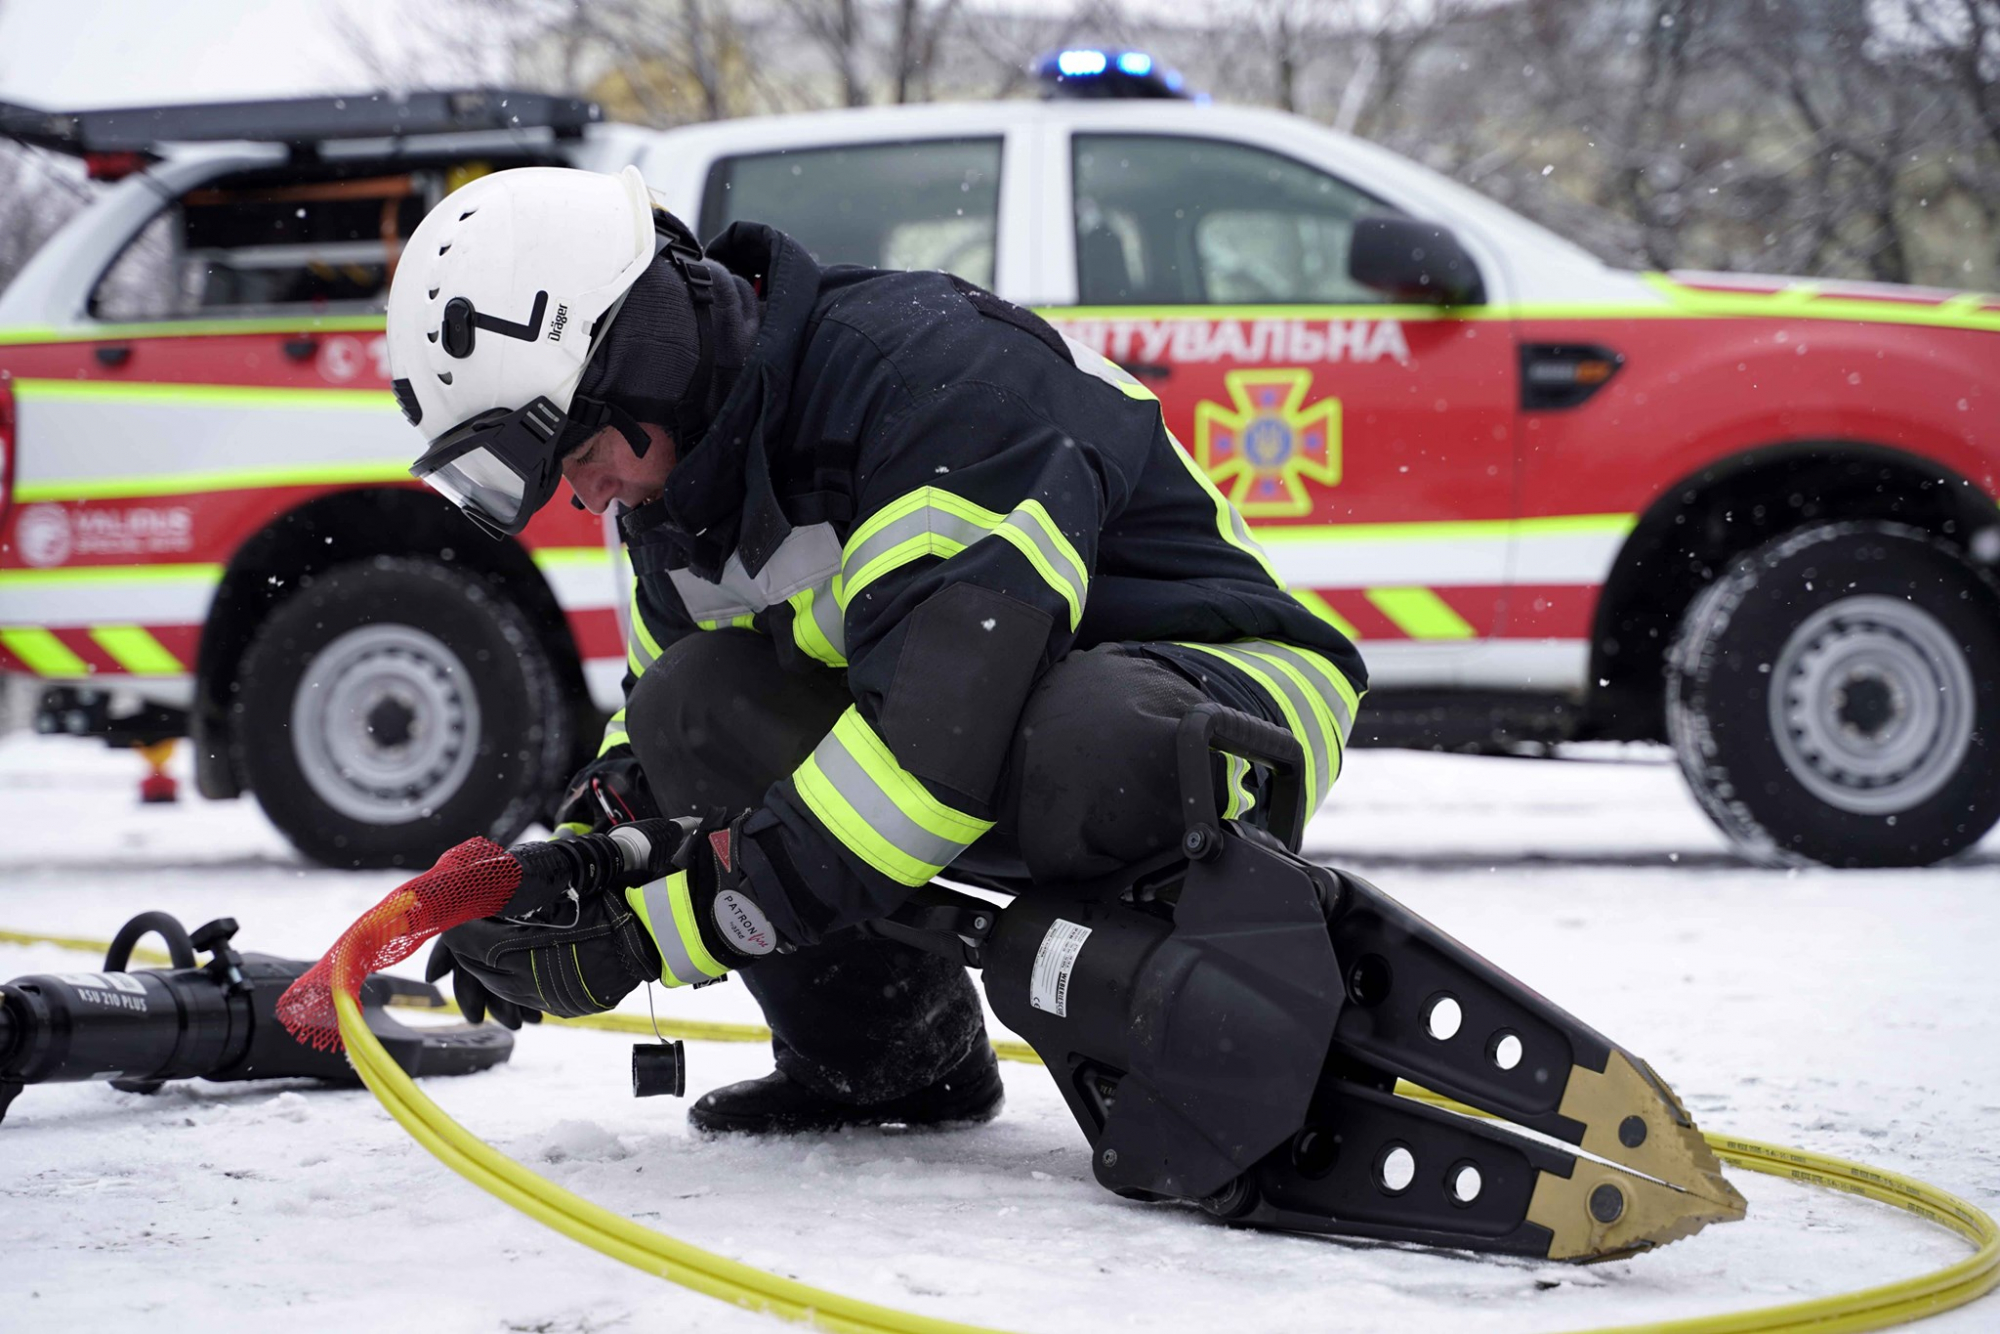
(1420, 613)
(42, 651)
(1323, 609)
(134, 648)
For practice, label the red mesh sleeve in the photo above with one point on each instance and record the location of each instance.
(473, 880)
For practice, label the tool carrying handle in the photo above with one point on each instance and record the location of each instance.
(1211, 727)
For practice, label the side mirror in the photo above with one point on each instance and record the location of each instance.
(1413, 261)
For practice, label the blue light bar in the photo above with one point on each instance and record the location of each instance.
(1080, 64)
(1136, 63)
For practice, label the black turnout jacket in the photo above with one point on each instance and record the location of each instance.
(933, 491)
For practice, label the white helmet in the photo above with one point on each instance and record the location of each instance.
(501, 294)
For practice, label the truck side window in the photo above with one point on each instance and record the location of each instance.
(1174, 221)
(933, 204)
(252, 245)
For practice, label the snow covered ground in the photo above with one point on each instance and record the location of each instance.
(1851, 1013)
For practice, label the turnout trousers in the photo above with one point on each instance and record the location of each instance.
(1090, 786)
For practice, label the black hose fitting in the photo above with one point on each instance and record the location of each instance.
(630, 854)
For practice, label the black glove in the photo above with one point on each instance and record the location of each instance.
(702, 919)
(610, 790)
(689, 927)
(517, 970)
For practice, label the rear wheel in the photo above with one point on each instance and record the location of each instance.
(1836, 698)
(394, 707)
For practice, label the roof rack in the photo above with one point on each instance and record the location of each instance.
(299, 121)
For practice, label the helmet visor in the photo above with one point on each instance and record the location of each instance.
(500, 466)
(479, 481)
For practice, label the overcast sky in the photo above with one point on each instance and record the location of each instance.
(74, 54)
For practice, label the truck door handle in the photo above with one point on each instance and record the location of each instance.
(1147, 370)
(113, 354)
(301, 349)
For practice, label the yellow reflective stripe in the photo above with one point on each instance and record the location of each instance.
(134, 648)
(1342, 688)
(641, 647)
(747, 621)
(1557, 525)
(1677, 302)
(42, 651)
(239, 479)
(614, 734)
(1228, 520)
(1323, 609)
(549, 558)
(1421, 613)
(685, 927)
(807, 632)
(109, 574)
(1294, 722)
(1237, 771)
(195, 329)
(665, 909)
(877, 809)
(932, 522)
(1331, 734)
(154, 394)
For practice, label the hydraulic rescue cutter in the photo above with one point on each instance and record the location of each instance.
(1228, 1023)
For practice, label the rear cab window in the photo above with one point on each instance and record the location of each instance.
(930, 204)
(1174, 220)
(320, 239)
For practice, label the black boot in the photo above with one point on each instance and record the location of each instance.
(774, 1105)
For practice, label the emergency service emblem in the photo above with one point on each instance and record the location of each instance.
(1264, 450)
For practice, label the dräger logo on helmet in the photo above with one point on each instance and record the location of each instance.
(556, 325)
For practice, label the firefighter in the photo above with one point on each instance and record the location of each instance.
(921, 588)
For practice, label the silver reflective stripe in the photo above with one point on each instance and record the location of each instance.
(962, 531)
(1314, 671)
(826, 615)
(932, 519)
(882, 815)
(1066, 568)
(806, 558)
(1314, 739)
(666, 933)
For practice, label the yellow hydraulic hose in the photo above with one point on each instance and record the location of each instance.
(668, 1257)
(1871, 1308)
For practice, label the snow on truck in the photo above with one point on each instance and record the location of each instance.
(1550, 499)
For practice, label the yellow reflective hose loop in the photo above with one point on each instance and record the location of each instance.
(618, 1237)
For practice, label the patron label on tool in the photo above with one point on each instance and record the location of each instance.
(1054, 960)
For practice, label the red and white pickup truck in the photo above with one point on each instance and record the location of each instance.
(1549, 498)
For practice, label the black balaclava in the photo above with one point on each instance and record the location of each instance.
(650, 354)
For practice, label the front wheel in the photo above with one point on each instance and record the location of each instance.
(1835, 698)
(394, 707)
